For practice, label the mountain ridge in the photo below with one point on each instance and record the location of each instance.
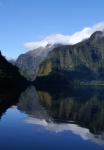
(81, 61)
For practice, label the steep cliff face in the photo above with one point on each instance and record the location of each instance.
(84, 61)
(29, 62)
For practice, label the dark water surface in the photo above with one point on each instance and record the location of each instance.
(52, 120)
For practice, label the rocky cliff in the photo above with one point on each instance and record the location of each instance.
(82, 61)
(29, 62)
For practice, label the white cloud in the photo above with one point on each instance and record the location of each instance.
(65, 39)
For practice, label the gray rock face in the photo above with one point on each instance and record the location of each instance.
(28, 63)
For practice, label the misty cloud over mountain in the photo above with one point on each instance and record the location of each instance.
(65, 39)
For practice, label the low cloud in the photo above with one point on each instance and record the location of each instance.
(65, 39)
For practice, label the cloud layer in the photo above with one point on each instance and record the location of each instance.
(65, 39)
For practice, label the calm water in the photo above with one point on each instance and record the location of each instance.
(59, 119)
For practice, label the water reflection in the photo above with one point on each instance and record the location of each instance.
(29, 103)
(80, 111)
(84, 133)
(62, 111)
(8, 98)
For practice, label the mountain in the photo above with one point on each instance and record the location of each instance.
(29, 62)
(82, 61)
(79, 62)
(9, 74)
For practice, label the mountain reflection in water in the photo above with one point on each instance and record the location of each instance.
(79, 110)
